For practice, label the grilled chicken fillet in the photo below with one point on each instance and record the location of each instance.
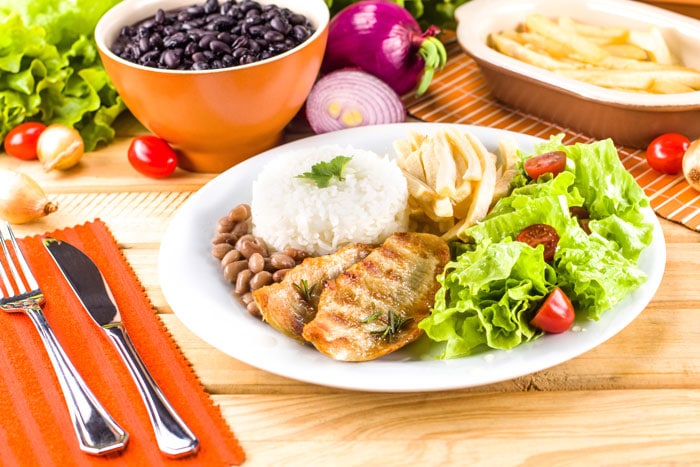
(374, 307)
(286, 306)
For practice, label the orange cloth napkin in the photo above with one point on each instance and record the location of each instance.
(36, 428)
(460, 94)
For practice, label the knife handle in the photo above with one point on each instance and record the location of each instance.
(174, 438)
(97, 432)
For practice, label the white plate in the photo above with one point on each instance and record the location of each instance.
(192, 283)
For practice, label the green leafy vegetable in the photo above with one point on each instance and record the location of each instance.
(50, 69)
(490, 291)
(322, 172)
(439, 13)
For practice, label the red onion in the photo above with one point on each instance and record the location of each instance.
(349, 98)
(383, 39)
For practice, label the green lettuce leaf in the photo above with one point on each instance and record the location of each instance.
(486, 296)
(50, 70)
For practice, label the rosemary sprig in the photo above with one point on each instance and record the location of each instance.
(394, 322)
(304, 289)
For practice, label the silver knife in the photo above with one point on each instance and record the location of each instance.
(174, 438)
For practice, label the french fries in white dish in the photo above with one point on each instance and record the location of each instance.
(609, 56)
(630, 117)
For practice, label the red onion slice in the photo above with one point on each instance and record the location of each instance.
(349, 98)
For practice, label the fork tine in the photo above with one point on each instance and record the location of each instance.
(5, 279)
(22, 261)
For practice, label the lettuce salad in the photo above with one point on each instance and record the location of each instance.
(50, 70)
(492, 288)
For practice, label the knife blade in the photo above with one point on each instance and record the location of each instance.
(174, 437)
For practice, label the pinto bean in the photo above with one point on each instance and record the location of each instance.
(261, 279)
(243, 281)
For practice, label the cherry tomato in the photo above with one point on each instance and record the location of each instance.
(549, 162)
(584, 218)
(665, 153)
(556, 314)
(152, 156)
(540, 234)
(20, 142)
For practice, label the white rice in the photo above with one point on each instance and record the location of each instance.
(366, 207)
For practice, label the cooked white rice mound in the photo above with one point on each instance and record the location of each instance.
(366, 207)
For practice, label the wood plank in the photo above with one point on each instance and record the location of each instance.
(454, 428)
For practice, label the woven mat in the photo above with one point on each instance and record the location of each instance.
(460, 94)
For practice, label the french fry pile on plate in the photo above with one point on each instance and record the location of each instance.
(607, 56)
(453, 179)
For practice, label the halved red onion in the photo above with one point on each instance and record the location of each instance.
(349, 98)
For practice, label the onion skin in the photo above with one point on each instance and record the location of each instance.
(691, 164)
(22, 199)
(350, 98)
(59, 147)
(383, 39)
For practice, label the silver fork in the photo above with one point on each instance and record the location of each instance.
(97, 432)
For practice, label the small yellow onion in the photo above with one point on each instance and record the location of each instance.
(691, 164)
(59, 147)
(21, 198)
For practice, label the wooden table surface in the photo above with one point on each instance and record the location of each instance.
(635, 399)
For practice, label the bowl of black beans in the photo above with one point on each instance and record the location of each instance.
(219, 80)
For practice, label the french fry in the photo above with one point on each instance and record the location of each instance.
(653, 42)
(581, 47)
(598, 34)
(518, 51)
(640, 80)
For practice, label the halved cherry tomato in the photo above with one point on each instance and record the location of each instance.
(152, 156)
(665, 153)
(540, 234)
(20, 142)
(556, 314)
(584, 218)
(550, 162)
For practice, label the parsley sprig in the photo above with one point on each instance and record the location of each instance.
(322, 172)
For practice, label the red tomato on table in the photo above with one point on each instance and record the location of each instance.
(665, 153)
(152, 156)
(20, 142)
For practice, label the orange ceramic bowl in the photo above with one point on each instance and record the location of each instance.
(215, 118)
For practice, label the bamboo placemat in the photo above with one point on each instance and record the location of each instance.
(460, 94)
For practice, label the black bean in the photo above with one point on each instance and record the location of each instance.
(191, 49)
(210, 6)
(300, 33)
(171, 58)
(273, 36)
(247, 6)
(199, 57)
(175, 40)
(206, 40)
(260, 31)
(219, 46)
(155, 41)
(279, 24)
(159, 17)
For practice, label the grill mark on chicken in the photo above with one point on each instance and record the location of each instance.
(400, 278)
(282, 304)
